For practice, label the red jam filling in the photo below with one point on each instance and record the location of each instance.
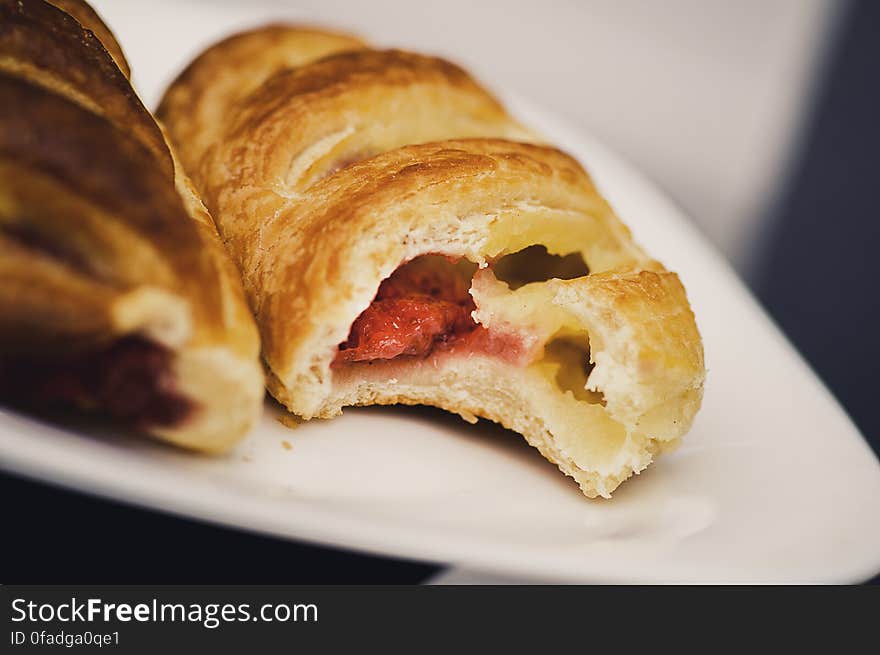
(423, 308)
(130, 380)
(423, 305)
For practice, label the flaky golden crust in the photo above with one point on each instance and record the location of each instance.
(100, 235)
(90, 19)
(384, 166)
(42, 43)
(197, 101)
(346, 107)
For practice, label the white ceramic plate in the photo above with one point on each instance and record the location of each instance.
(772, 484)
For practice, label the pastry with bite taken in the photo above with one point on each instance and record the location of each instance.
(403, 240)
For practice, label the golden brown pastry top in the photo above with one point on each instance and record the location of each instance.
(90, 19)
(346, 107)
(44, 44)
(127, 225)
(198, 100)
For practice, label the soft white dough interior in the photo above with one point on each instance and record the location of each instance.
(546, 393)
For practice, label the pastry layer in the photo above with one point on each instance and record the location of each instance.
(199, 102)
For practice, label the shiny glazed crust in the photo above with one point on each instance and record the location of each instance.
(317, 216)
(102, 235)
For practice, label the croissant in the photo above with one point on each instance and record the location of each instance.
(403, 240)
(116, 293)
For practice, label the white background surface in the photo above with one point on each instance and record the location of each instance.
(706, 96)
